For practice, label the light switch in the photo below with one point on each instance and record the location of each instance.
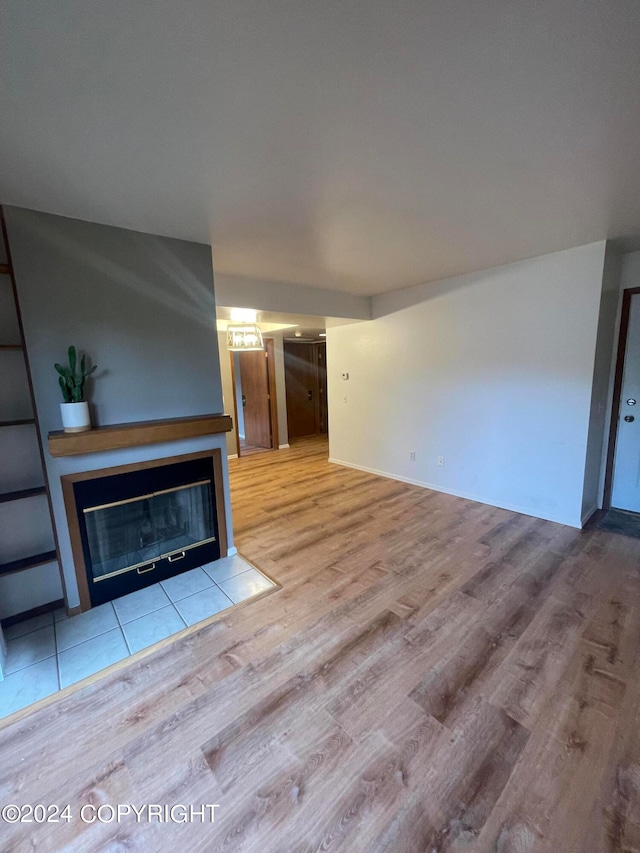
(345, 375)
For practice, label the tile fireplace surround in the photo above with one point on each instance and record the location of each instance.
(53, 651)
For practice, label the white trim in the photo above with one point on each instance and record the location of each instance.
(586, 515)
(455, 493)
(232, 551)
(232, 456)
(283, 446)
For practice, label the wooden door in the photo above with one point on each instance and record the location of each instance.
(255, 394)
(301, 383)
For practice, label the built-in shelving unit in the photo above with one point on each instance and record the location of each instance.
(27, 540)
(28, 562)
(21, 422)
(20, 494)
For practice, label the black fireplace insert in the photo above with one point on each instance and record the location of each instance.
(144, 526)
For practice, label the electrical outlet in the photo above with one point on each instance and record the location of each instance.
(441, 461)
(344, 399)
(412, 456)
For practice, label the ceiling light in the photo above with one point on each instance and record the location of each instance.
(245, 338)
(243, 315)
(298, 334)
(322, 335)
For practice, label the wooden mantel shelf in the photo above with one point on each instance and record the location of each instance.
(116, 436)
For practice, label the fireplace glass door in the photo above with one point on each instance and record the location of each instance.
(135, 533)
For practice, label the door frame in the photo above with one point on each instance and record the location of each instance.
(273, 392)
(617, 393)
(269, 349)
(322, 396)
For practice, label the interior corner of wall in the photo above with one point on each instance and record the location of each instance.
(586, 515)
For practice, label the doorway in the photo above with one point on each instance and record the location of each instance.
(622, 481)
(305, 370)
(254, 400)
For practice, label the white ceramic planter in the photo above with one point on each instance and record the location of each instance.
(75, 417)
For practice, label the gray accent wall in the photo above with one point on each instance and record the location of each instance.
(143, 308)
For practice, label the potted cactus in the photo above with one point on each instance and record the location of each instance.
(75, 409)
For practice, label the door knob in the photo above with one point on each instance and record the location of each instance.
(629, 418)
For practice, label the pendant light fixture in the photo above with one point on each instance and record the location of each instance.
(246, 337)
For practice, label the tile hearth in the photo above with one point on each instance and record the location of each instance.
(52, 651)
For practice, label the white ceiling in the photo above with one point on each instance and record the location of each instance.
(350, 144)
(306, 326)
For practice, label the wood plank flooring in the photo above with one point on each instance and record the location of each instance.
(434, 675)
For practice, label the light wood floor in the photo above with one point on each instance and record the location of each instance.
(435, 675)
(250, 449)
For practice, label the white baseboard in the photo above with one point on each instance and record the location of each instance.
(231, 551)
(283, 446)
(232, 456)
(455, 493)
(586, 515)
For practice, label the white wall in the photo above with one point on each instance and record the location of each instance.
(238, 391)
(492, 370)
(281, 391)
(227, 391)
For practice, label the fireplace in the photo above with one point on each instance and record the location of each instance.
(135, 525)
